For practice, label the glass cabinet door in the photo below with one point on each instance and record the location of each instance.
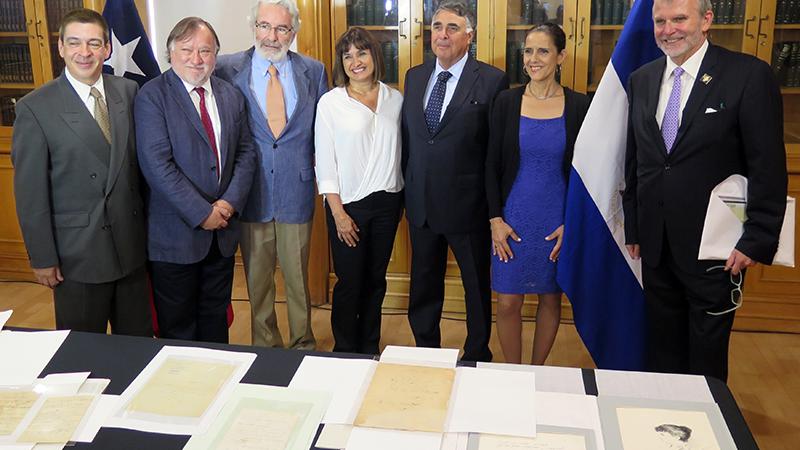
(779, 44)
(18, 53)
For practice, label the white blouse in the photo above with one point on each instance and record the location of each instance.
(357, 150)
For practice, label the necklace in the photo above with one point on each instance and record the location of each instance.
(544, 97)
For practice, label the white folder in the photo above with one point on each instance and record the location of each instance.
(725, 219)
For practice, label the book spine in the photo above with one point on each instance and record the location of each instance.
(616, 14)
(608, 12)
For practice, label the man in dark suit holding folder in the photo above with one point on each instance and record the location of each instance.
(696, 117)
(445, 125)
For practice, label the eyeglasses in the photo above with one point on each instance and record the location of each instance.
(736, 293)
(283, 30)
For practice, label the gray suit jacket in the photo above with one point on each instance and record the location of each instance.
(77, 197)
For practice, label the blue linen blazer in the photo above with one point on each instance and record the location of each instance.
(179, 165)
(283, 187)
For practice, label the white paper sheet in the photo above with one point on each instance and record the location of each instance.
(455, 441)
(25, 353)
(662, 386)
(169, 424)
(374, 438)
(420, 356)
(4, 316)
(334, 436)
(493, 401)
(569, 410)
(568, 380)
(346, 379)
(61, 383)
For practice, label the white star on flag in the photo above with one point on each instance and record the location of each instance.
(121, 59)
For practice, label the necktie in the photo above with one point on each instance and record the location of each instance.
(669, 126)
(433, 112)
(101, 113)
(209, 127)
(276, 110)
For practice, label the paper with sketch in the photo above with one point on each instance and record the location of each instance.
(658, 429)
(24, 354)
(265, 418)
(555, 409)
(568, 380)
(420, 356)
(181, 390)
(14, 406)
(57, 419)
(4, 316)
(376, 438)
(690, 388)
(334, 436)
(345, 379)
(493, 401)
(411, 398)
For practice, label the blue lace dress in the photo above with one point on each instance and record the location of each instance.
(534, 209)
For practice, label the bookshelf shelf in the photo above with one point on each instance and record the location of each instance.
(13, 34)
(787, 26)
(790, 90)
(727, 26)
(376, 27)
(606, 27)
(521, 27)
(17, 86)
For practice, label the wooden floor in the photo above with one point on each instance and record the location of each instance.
(764, 367)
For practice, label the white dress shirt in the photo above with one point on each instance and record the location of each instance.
(84, 90)
(213, 112)
(455, 70)
(357, 150)
(690, 68)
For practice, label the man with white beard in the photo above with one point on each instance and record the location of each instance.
(282, 89)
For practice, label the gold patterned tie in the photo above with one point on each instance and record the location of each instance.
(101, 113)
(276, 110)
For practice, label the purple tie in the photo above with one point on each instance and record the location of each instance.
(669, 126)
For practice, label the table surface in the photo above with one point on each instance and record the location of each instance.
(122, 358)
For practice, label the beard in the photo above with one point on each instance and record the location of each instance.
(271, 54)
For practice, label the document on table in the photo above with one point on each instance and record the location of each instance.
(570, 411)
(689, 388)
(568, 380)
(493, 401)
(57, 419)
(420, 356)
(14, 406)
(181, 390)
(376, 438)
(547, 438)
(334, 436)
(345, 379)
(25, 353)
(265, 418)
(411, 398)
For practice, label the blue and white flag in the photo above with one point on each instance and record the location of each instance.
(131, 54)
(603, 284)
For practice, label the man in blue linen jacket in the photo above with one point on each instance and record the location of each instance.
(197, 156)
(276, 222)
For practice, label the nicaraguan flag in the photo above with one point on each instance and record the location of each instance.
(131, 54)
(603, 284)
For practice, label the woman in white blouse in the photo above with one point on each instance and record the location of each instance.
(357, 138)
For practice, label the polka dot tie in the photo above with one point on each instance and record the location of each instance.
(433, 112)
(669, 126)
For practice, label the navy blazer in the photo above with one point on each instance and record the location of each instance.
(283, 187)
(179, 165)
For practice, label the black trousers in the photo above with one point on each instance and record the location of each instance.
(426, 299)
(361, 271)
(682, 336)
(192, 300)
(124, 303)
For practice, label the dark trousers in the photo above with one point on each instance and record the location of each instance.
(682, 337)
(361, 271)
(191, 300)
(428, 266)
(123, 303)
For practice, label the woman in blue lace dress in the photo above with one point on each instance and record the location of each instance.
(532, 136)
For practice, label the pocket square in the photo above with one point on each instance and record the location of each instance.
(710, 110)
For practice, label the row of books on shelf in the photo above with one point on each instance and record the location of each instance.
(57, 9)
(788, 11)
(372, 12)
(786, 63)
(15, 64)
(610, 12)
(515, 68)
(12, 16)
(728, 11)
(529, 12)
(7, 114)
(429, 7)
(389, 50)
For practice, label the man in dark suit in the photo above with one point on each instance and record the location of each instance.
(697, 116)
(76, 184)
(196, 153)
(445, 125)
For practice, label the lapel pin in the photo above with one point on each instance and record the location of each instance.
(706, 78)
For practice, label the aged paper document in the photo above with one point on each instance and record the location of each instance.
(542, 441)
(57, 419)
(182, 387)
(402, 397)
(259, 429)
(14, 405)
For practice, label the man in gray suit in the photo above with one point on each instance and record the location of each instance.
(282, 89)
(76, 184)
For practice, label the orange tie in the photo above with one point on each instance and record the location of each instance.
(276, 110)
